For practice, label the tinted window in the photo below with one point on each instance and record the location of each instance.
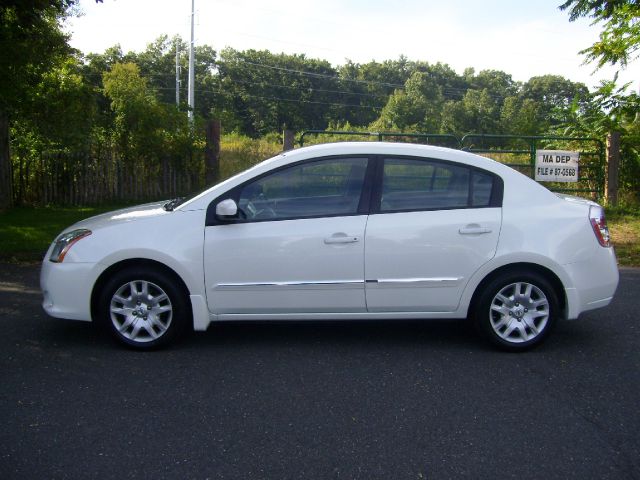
(320, 188)
(423, 185)
(482, 187)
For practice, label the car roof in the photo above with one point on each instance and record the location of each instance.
(359, 148)
(396, 148)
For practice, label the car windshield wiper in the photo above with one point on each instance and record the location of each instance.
(171, 204)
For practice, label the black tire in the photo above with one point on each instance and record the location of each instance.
(525, 318)
(144, 308)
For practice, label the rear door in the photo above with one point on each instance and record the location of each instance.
(433, 224)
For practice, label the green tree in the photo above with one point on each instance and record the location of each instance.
(620, 36)
(520, 116)
(149, 134)
(135, 108)
(402, 112)
(416, 108)
(31, 42)
(262, 91)
(477, 112)
(57, 116)
(498, 84)
(367, 88)
(612, 109)
(555, 96)
(157, 64)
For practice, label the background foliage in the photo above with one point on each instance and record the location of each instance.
(105, 127)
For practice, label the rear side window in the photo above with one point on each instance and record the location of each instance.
(413, 184)
(482, 186)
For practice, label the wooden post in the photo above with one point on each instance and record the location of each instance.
(613, 167)
(6, 174)
(212, 152)
(287, 140)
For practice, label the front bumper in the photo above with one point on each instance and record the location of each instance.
(67, 287)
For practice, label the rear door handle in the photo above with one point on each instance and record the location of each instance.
(473, 229)
(337, 238)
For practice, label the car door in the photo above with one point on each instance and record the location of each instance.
(435, 224)
(297, 246)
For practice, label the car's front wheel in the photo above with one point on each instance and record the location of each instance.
(516, 310)
(143, 308)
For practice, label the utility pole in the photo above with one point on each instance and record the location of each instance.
(191, 66)
(177, 73)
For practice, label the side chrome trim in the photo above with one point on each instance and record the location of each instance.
(414, 282)
(324, 285)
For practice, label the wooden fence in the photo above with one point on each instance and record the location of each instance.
(101, 176)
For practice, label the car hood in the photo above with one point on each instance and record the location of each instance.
(130, 214)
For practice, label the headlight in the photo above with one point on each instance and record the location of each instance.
(64, 242)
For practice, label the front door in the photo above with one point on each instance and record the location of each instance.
(298, 246)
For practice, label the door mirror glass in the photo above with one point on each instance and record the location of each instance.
(227, 208)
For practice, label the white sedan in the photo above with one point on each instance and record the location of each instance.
(341, 231)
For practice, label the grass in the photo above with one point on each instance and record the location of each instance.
(237, 152)
(27, 232)
(624, 225)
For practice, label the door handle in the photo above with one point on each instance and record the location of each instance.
(473, 229)
(341, 238)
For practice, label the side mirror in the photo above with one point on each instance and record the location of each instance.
(227, 208)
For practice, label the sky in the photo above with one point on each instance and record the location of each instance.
(524, 38)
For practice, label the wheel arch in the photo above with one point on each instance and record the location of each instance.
(129, 263)
(545, 272)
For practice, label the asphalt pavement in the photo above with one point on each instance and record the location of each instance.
(362, 400)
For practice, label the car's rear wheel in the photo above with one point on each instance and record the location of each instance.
(143, 308)
(517, 310)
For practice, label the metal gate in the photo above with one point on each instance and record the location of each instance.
(516, 151)
(438, 139)
(519, 152)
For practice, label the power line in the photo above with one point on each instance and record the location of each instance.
(455, 93)
(318, 75)
(452, 93)
(294, 100)
(302, 88)
(229, 79)
(277, 85)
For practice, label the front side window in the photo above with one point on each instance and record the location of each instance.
(412, 184)
(328, 187)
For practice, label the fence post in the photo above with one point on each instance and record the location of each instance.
(533, 153)
(613, 166)
(6, 174)
(287, 140)
(212, 152)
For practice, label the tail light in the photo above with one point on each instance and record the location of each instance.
(599, 224)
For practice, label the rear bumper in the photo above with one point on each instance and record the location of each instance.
(594, 282)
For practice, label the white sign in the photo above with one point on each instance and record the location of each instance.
(556, 166)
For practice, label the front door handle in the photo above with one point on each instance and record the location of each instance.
(338, 238)
(473, 229)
